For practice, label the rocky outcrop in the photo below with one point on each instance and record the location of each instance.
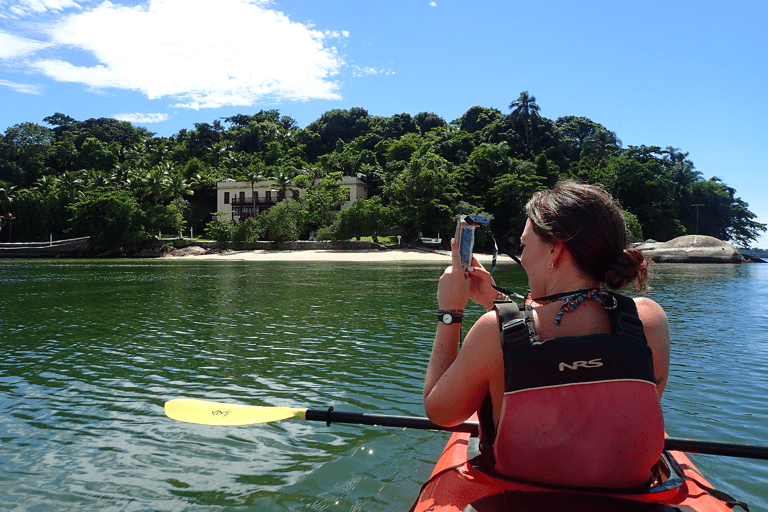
(691, 249)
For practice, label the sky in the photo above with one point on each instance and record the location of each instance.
(691, 74)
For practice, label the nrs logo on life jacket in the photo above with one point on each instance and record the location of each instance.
(593, 363)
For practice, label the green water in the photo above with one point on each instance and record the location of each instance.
(90, 351)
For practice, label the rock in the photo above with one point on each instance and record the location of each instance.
(191, 250)
(691, 249)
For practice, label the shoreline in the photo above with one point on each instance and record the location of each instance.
(383, 255)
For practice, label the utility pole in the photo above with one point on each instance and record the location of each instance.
(697, 215)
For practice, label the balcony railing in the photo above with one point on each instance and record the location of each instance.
(249, 201)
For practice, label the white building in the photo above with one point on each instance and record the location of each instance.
(242, 199)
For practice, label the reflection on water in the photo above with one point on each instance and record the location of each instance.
(92, 349)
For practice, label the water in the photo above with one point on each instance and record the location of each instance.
(91, 350)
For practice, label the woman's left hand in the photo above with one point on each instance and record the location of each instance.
(482, 290)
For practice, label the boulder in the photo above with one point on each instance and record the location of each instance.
(691, 249)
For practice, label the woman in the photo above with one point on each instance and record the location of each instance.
(561, 421)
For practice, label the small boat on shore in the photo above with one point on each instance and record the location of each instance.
(432, 241)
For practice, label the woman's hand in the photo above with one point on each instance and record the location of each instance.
(481, 290)
(453, 289)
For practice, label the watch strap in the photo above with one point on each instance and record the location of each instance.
(450, 316)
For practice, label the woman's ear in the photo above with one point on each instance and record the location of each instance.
(557, 249)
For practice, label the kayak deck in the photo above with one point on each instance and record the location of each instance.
(455, 485)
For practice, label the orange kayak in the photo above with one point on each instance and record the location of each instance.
(457, 485)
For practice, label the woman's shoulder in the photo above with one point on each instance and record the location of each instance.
(485, 331)
(649, 311)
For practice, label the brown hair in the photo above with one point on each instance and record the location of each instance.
(586, 219)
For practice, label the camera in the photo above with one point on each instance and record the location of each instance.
(465, 235)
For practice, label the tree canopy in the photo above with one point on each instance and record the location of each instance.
(120, 183)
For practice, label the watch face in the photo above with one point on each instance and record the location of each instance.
(447, 318)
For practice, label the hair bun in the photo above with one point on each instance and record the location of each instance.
(630, 265)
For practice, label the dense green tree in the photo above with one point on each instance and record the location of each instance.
(395, 126)
(453, 145)
(111, 217)
(97, 155)
(284, 222)
(364, 217)
(575, 131)
(59, 119)
(402, 148)
(721, 214)
(424, 195)
(643, 187)
(26, 149)
(323, 195)
(477, 118)
(219, 229)
(486, 162)
(249, 230)
(338, 124)
(508, 195)
(599, 146)
(428, 121)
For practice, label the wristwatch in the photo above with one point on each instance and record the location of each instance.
(449, 318)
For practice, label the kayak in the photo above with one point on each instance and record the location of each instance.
(457, 484)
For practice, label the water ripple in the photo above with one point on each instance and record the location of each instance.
(93, 349)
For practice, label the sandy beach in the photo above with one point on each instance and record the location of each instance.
(405, 254)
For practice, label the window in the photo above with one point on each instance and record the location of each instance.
(226, 197)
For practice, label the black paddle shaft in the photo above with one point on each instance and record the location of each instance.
(330, 416)
(748, 451)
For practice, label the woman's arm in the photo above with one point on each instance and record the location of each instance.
(458, 381)
(656, 330)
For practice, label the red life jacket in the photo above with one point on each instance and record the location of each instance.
(577, 411)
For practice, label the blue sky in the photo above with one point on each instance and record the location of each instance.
(688, 74)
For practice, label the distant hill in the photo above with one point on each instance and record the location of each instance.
(755, 253)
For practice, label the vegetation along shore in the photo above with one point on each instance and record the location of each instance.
(121, 185)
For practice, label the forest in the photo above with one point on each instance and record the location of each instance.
(122, 184)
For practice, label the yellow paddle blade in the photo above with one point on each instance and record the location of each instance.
(217, 413)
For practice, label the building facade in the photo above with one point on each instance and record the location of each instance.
(243, 199)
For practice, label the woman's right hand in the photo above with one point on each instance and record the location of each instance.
(453, 289)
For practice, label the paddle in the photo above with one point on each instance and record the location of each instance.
(217, 413)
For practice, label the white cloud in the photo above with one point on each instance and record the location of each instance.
(197, 53)
(140, 118)
(433, 4)
(47, 5)
(12, 46)
(23, 88)
(31, 7)
(358, 71)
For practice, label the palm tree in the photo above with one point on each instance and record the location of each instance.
(601, 143)
(7, 198)
(682, 169)
(283, 182)
(156, 184)
(524, 108)
(71, 184)
(254, 176)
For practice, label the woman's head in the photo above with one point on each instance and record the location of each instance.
(592, 228)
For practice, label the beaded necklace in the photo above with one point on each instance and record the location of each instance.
(572, 300)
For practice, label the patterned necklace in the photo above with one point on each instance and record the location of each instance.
(572, 300)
